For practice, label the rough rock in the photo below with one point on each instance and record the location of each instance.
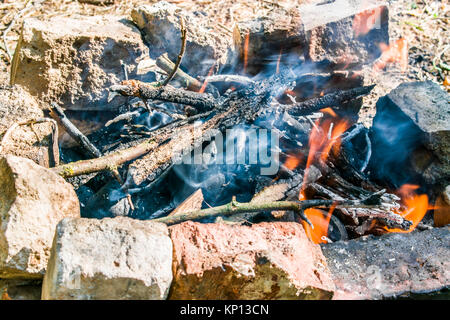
(345, 33)
(265, 261)
(337, 34)
(118, 258)
(32, 202)
(160, 25)
(20, 289)
(391, 265)
(260, 41)
(16, 105)
(411, 130)
(73, 61)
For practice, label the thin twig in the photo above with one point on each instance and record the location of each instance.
(180, 55)
(297, 207)
(17, 16)
(54, 145)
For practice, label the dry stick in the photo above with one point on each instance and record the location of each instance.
(55, 149)
(297, 207)
(79, 137)
(108, 162)
(73, 131)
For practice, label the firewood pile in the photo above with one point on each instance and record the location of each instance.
(150, 124)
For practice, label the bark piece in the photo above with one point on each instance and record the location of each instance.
(32, 201)
(265, 261)
(72, 61)
(192, 203)
(117, 259)
(390, 265)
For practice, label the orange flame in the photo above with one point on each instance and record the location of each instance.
(366, 21)
(292, 162)
(396, 52)
(324, 137)
(416, 206)
(320, 222)
(246, 43)
(328, 110)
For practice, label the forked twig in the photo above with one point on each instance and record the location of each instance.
(298, 207)
(55, 149)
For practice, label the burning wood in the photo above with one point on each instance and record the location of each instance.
(274, 127)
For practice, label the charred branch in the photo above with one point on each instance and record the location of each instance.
(202, 102)
(73, 131)
(328, 100)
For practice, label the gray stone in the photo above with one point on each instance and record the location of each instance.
(118, 258)
(338, 34)
(160, 25)
(33, 200)
(73, 61)
(391, 265)
(345, 33)
(411, 130)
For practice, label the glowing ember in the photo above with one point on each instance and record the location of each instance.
(416, 206)
(396, 52)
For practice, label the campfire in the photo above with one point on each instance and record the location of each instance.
(266, 137)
